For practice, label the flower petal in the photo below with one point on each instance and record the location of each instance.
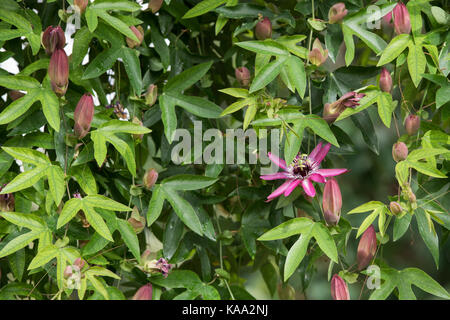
(317, 178)
(322, 153)
(308, 187)
(280, 190)
(274, 176)
(314, 153)
(292, 186)
(331, 172)
(279, 162)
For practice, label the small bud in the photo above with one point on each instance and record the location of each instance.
(144, 293)
(318, 55)
(395, 208)
(367, 247)
(53, 38)
(151, 95)
(337, 12)
(83, 115)
(137, 221)
(411, 196)
(139, 122)
(242, 76)
(263, 29)
(385, 80)
(68, 272)
(155, 5)
(402, 23)
(399, 151)
(139, 32)
(79, 263)
(58, 72)
(412, 124)
(339, 289)
(81, 5)
(150, 178)
(15, 94)
(332, 202)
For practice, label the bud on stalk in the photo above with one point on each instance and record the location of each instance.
(399, 151)
(318, 55)
(339, 289)
(385, 80)
(367, 247)
(150, 178)
(337, 12)
(53, 38)
(83, 115)
(412, 124)
(402, 23)
(263, 29)
(137, 221)
(332, 202)
(139, 33)
(58, 72)
(144, 293)
(81, 4)
(242, 76)
(155, 5)
(395, 208)
(151, 95)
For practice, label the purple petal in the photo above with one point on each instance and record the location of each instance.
(274, 176)
(317, 178)
(322, 153)
(331, 172)
(280, 190)
(279, 162)
(291, 187)
(308, 187)
(314, 153)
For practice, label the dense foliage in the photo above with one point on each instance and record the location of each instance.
(96, 96)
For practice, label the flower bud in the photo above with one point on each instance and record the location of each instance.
(385, 80)
(263, 29)
(155, 5)
(15, 94)
(58, 72)
(399, 151)
(242, 76)
(337, 12)
(332, 202)
(339, 288)
(81, 5)
(137, 221)
(318, 55)
(139, 32)
(144, 293)
(68, 272)
(402, 23)
(139, 122)
(150, 178)
(395, 208)
(366, 248)
(151, 95)
(83, 115)
(412, 124)
(53, 38)
(79, 263)
(411, 196)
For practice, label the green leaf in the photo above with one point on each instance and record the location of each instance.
(117, 24)
(394, 48)
(85, 179)
(129, 237)
(385, 108)
(19, 82)
(416, 62)
(236, 92)
(19, 106)
(401, 225)
(50, 107)
(349, 45)
(80, 45)
(187, 78)
(202, 8)
(296, 74)
(101, 63)
(96, 221)
(267, 74)
(368, 221)
(133, 68)
(99, 201)
(369, 206)
(155, 205)
(424, 282)
(428, 234)
(267, 46)
(238, 105)
(69, 211)
(287, 229)
(56, 183)
(25, 180)
(43, 256)
(321, 128)
(325, 241)
(168, 116)
(296, 254)
(19, 243)
(198, 106)
(27, 155)
(188, 182)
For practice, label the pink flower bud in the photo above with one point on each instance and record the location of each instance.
(79, 263)
(385, 80)
(399, 151)
(7, 201)
(53, 38)
(83, 115)
(68, 272)
(150, 178)
(155, 5)
(242, 76)
(332, 202)
(318, 55)
(137, 221)
(81, 4)
(367, 247)
(58, 72)
(139, 32)
(395, 208)
(402, 22)
(339, 289)
(144, 293)
(412, 124)
(337, 12)
(151, 95)
(263, 29)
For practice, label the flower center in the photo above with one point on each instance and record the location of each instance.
(301, 166)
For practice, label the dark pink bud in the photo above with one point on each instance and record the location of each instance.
(139, 32)
(367, 247)
(412, 124)
(144, 293)
(395, 208)
(83, 115)
(339, 288)
(150, 178)
(155, 5)
(263, 29)
(81, 4)
(385, 80)
(242, 76)
(337, 13)
(53, 38)
(402, 23)
(332, 202)
(399, 151)
(58, 72)
(318, 55)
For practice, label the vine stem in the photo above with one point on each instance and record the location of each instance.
(307, 64)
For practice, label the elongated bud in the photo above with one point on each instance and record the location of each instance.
(81, 5)
(155, 5)
(337, 12)
(332, 202)
(7, 201)
(263, 29)
(151, 95)
(395, 208)
(402, 23)
(339, 289)
(242, 76)
(150, 178)
(53, 38)
(412, 124)
(139, 32)
(330, 113)
(399, 151)
(385, 80)
(144, 293)
(83, 115)
(58, 72)
(318, 55)
(139, 122)
(366, 248)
